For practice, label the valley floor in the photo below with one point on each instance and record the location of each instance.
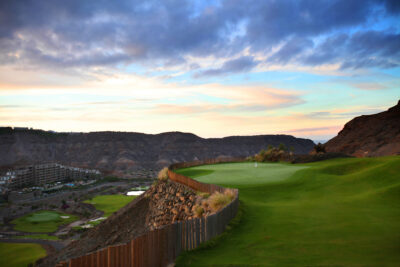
(342, 212)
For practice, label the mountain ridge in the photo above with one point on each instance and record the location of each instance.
(124, 153)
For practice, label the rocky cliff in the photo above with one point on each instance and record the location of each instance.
(126, 153)
(372, 135)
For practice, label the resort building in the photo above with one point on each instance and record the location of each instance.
(41, 174)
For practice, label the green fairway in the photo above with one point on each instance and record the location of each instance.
(44, 221)
(110, 203)
(342, 212)
(20, 254)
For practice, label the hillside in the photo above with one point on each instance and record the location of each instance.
(372, 135)
(150, 210)
(126, 152)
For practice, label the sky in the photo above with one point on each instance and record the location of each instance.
(213, 68)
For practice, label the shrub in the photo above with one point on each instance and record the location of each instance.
(163, 174)
(204, 204)
(203, 194)
(273, 154)
(230, 193)
(250, 158)
(319, 148)
(282, 147)
(218, 200)
(198, 210)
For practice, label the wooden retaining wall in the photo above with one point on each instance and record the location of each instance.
(162, 246)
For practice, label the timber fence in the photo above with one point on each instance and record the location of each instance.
(160, 247)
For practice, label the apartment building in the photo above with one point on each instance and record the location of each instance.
(41, 174)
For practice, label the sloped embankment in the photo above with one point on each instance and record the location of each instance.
(164, 203)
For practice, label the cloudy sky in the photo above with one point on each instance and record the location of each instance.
(214, 68)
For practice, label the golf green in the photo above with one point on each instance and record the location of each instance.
(341, 212)
(44, 221)
(20, 254)
(110, 203)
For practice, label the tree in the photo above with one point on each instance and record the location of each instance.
(319, 148)
(282, 147)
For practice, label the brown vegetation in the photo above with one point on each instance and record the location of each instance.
(163, 174)
(218, 200)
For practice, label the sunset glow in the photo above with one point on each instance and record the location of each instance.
(213, 68)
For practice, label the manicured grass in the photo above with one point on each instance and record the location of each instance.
(341, 212)
(110, 203)
(38, 236)
(20, 254)
(242, 174)
(44, 221)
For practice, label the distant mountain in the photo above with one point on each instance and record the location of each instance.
(369, 135)
(127, 152)
(320, 141)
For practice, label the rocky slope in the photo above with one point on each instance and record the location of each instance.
(372, 135)
(152, 209)
(126, 153)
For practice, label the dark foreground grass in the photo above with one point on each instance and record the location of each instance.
(44, 221)
(110, 203)
(342, 212)
(38, 236)
(20, 254)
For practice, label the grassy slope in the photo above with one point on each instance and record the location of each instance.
(44, 221)
(18, 255)
(342, 212)
(110, 203)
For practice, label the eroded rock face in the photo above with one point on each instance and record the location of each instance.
(130, 154)
(372, 135)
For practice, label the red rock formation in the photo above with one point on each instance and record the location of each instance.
(372, 135)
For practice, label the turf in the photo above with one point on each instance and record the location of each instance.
(242, 174)
(342, 212)
(20, 254)
(44, 221)
(110, 203)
